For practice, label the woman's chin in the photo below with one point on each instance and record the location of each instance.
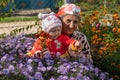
(69, 32)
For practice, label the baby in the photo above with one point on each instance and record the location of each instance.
(52, 37)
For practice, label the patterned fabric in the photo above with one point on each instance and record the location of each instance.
(69, 9)
(49, 21)
(85, 53)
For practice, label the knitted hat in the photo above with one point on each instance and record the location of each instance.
(49, 21)
(69, 9)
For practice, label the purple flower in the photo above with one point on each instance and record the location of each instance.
(29, 68)
(20, 66)
(49, 68)
(29, 61)
(40, 64)
(6, 71)
(72, 78)
(11, 68)
(62, 77)
(73, 70)
(97, 25)
(58, 54)
(63, 70)
(82, 60)
(86, 78)
(48, 56)
(96, 71)
(25, 73)
(30, 78)
(102, 76)
(4, 58)
(49, 62)
(38, 76)
(52, 78)
(2, 46)
(10, 58)
(43, 69)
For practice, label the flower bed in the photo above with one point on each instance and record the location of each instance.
(102, 29)
(15, 65)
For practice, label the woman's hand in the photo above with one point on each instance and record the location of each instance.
(75, 48)
(77, 45)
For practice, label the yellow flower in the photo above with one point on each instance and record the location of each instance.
(101, 7)
(119, 22)
(117, 40)
(4, 4)
(118, 30)
(94, 37)
(100, 52)
(95, 13)
(114, 29)
(104, 21)
(103, 48)
(94, 29)
(104, 35)
(98, 31)
(99, 39)
(94, 18)
(94, 42)
(116, 77)
(115, 16)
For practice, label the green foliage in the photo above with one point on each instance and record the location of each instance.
(12, 77)
(111, 64)
(59, 3)
(5, 8)
(15, 19)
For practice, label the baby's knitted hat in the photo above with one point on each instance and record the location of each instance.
(49, 21)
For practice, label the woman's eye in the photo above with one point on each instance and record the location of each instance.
(68, 21)
(75, 22)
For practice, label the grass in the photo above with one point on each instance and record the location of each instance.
(15, 19)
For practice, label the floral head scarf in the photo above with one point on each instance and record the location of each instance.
(69, 9)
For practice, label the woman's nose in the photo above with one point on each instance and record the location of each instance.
(71, 25)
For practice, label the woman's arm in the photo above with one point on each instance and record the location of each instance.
(85, 52)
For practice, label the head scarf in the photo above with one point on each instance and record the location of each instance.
(69, 9)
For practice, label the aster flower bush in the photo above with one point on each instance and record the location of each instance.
(14, 64)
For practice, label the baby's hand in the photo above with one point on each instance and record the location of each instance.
(29, 54)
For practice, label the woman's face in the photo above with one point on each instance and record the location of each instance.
(70, 23)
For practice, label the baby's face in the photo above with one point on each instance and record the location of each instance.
(55, 32)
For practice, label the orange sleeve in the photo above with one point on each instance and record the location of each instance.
(37, 46)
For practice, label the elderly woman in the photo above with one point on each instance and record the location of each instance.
(70, 17)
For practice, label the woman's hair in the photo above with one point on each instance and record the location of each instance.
(69, 9)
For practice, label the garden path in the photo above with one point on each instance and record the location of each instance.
(9, 26)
